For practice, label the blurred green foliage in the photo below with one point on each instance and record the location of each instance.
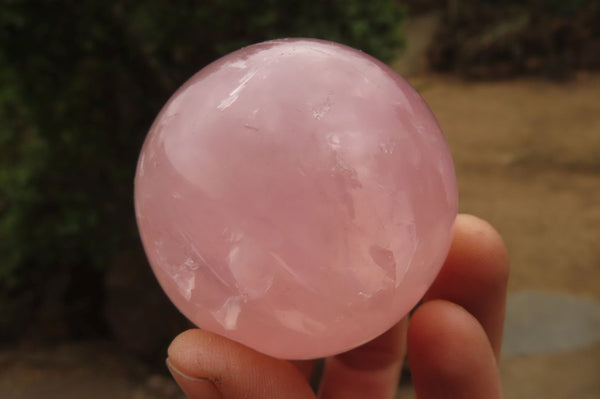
(80, 83)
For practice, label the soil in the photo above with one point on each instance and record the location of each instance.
(527, 156)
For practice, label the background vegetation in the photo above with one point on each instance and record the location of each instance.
(492, 39)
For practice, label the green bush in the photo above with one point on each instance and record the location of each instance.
(81, 84)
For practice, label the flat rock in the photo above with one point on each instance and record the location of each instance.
(547, 322)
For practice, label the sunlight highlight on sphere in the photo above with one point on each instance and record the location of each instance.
(297, 196)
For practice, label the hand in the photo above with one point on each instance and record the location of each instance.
(453, 342)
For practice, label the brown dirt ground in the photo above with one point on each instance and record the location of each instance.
(527, 155)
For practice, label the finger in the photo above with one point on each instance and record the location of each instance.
(369, 371)
(305, 367)
(194, 387)
(475, 275)
(234, 370)
(450, 355)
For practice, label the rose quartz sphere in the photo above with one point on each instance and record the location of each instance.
(296, 196)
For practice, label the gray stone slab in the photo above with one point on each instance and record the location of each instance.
(547, 322)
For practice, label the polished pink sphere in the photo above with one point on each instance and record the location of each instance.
(297, 196)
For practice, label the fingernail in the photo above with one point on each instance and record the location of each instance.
(193, 387)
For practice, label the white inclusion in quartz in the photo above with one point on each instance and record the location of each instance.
(384, 258)
(191, 264)
(390, 263)
(387, 148)
(229, 313)
(233, 255)
(186, 281)
(239, 64)
(404, 262)
(235, 93)
(322, 110)
(371, 278)
(334, 141)
(320, 113)
(250, 267)
(142, 164)
(298, 321)
(284, 265)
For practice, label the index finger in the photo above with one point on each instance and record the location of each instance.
(475, 275)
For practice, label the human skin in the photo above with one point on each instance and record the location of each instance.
(452, 342)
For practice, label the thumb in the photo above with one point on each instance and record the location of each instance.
(193, 387)
(206, 365)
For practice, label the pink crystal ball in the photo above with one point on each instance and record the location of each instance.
(296, 196)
